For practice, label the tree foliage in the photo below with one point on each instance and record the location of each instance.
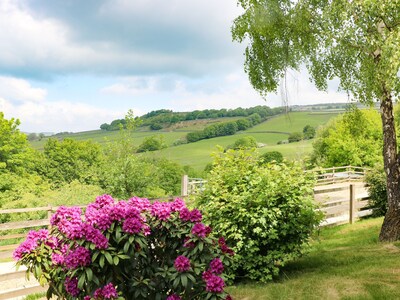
(355, 41)
(354, 138)
(15, 153)
(70, 160)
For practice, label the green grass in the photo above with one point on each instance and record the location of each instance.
(345, 262)
(294, 121)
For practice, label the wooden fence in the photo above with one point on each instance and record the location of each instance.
(335, 175)
(12, 283)
(342, 194)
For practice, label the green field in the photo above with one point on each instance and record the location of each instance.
(345, 262)
(198, 154)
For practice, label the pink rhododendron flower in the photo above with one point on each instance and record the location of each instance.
(182, 263)
(78, 257)
(31, 242)
(215, 284)
(177, 205)
(132, 225)
(216, 266)
(71, 286)
(107, 292)
(142, 204)
(201, 230)
(161, 210)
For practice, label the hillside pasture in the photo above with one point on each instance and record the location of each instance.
(198, 154)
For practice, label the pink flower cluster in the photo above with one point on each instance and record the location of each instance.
(78, 257)
(216, 266)
(201, 230)
(182, 263)
(31, 242)
(104, 211)
(163, 210)
(107, 292)
(71, 286)
(193, 216)
(214, 283)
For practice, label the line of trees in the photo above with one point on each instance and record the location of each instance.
(159, 119)
(80, 170)
(223, 129)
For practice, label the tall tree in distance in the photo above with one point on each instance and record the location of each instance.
(357, 41)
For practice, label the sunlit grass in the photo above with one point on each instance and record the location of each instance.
(344, 262)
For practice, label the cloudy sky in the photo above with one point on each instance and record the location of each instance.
(70, 65)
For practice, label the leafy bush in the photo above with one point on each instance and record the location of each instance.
(156, 126)
(152, 143)
(309, 132)
(127, 250)
(376, 184)
(295, 137)
(246, 142)
(270, 156)
(266, 211)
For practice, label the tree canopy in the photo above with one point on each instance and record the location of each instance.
(356, 41)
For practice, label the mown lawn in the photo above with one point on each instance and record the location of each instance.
(344, 262)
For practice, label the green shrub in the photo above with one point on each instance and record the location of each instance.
(295, 137)
(246, 142)
(156, 126)
(376, 184)
(309, 132)
(267, 211)
(270, 156)
(152, 143)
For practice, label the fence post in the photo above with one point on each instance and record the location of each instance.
(352, 209)
(49, 214)
(184, 186)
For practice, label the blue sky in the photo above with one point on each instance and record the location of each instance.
(69, 65)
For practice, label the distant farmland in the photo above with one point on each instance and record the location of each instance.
(198, 154)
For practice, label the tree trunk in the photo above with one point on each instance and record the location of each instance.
(390, 230)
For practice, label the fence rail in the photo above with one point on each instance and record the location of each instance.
(342, 203)
(339, 174)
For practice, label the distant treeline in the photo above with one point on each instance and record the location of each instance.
(159, 119)
(222, 129)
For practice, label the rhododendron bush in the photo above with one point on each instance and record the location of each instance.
(127, 250)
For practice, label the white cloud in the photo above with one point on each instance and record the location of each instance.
(58, 116)
(19, 90)
(18, 99)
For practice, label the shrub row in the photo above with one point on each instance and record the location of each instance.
(223, 129)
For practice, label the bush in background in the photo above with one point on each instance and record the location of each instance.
(152, 143)
(376, 184)
(295, 137)
(246, 142)
(266, 211)
(271, 156)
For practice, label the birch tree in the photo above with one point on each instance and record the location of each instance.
(356, 41)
